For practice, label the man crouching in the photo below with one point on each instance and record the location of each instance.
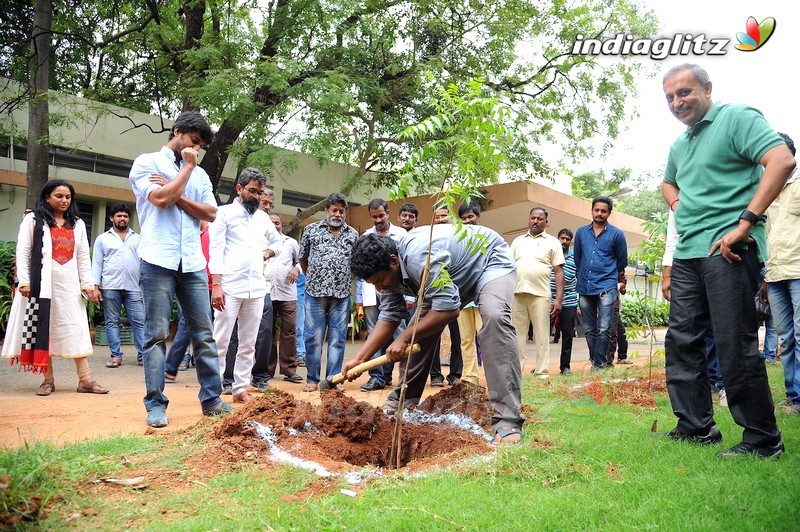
(488, 278)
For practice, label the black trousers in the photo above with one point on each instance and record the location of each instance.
(566, 327)
(456, 361)
(710, 292)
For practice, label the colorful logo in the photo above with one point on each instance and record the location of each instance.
(758, 33)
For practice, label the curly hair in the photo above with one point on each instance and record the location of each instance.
(372, 254)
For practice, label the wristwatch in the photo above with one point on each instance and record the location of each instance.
(749, 216)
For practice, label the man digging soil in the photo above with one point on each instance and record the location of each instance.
(396, 269)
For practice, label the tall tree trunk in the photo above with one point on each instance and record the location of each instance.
(38, 108)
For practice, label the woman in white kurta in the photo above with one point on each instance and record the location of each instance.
(54, 270)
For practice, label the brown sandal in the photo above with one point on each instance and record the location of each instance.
(46, 388)
(92, 387)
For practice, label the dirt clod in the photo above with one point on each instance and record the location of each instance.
(342, 429)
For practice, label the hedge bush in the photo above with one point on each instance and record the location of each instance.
(633, 309)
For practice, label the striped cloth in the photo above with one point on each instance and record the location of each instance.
(570, 283)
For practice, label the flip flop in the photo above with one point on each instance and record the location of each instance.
(114, 363)
(46, 388)
(507, 436)
(92, 387)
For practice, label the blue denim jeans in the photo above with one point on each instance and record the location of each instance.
(113, 301)
(300, 323)
(331, 314)
(597, 312)
(784, 302)
(770, 339)
(159, 287)
(180, 346)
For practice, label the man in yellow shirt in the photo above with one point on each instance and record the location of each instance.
(536, 252)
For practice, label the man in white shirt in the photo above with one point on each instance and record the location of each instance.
(284, 270)
(236, 263)
(173, 194)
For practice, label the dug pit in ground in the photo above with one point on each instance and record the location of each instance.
(347, 431)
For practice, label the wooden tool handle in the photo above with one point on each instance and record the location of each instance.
(373, 363)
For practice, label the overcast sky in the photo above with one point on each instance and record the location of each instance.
(764, 78)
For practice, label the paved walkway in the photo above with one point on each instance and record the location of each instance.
(66, 416)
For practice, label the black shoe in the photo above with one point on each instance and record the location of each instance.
(713, 436)
(760, 451)
(293, 377)
(261, 384)
(372, 385)
(438, 383)
(566, 372)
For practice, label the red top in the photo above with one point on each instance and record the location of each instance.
(63, 244)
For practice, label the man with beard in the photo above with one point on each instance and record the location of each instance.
(236, 264)
(325, 250)
(601, 255)
(115, 267)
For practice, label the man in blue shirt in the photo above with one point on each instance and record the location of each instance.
(601, 253)
(173, 195)
(115, 269)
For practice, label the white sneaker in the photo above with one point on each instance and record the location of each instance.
(723, 398)
(543, 375)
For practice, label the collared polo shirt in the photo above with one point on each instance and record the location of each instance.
(236, 249)
(716, 166)
(170, 237)
(115, 262)
(536, 255)
(599, 259)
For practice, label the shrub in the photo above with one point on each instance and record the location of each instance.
(633, 309)
(7, 257)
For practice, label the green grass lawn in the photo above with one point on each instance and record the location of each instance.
(581, 466)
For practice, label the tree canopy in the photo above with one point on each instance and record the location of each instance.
(341, 79)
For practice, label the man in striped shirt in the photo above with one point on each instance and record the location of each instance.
(565, 321)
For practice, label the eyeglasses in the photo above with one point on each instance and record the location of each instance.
(254, 191)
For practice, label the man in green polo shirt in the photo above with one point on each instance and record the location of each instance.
(722, 173)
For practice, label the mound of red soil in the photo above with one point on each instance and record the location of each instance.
(470, 400)
(341, 429)
(638, 392)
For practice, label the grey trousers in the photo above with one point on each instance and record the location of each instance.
(500, 356)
